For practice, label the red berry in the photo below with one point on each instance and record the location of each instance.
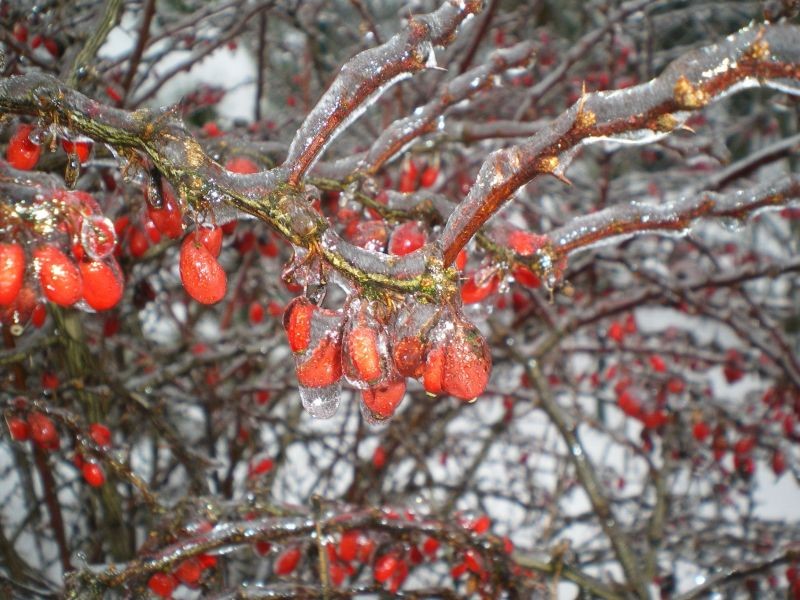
(676, 385)
(364, 357)
(701, 431)
(385, 567)
(379, 457)
(616, 332)
(473, 560)
(239, 164)
(655, 419)
(348, 545)
(210, 237)
(22, 153)
(255, 313)
(778, 463)
(526, 277)
(297, 322)
(629, 404)
(189, 571)
(49, 380)
(657, 364)
(525, 243)
(406, 238)
(433, 372)
(43, 430)
(467, 363)
(38, 315)
(287, 562)
(408, 178)
(59, 277)
(323, 367)
(81, 148)
(102, 283)
(93, 474)
(18, 429)
(100, 434)
(383, 400)
(430, 546)
(138, 242)
(408, 354)
(744, 445)
(263, 466)
(20, 32)
(12, 272)
(201, 274)
(162, 585)
(168, 219)
(481, 524)
(429, 177)
(461, 259)
(479, 287)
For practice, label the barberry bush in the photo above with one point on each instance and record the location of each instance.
(440, 299)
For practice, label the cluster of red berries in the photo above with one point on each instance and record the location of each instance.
(188, 573)
(75, 265)
(376, 349)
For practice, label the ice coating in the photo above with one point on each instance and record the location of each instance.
(754, 55)
(366, 76)
(425, 118)
(321, 402)
(618, 223)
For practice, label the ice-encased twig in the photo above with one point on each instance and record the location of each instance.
(761, 55)
(367, 75)
(622, 221)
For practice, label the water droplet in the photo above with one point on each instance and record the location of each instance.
(321, 403)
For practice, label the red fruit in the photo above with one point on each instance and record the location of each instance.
(383, 400)
(481, 524)
(22, 153)
(93, 474)
(616, 332)
(189, 571)
(138, 242)
(406, 238)
(348, 545)
(324, 367)
(12, 272)
(201, 274)
(18, 429)
(526, 277)
(461, 259)
(102, 284)
(297, 322)
(379, 457)
(361, 347)
(239, 164)
(407, 355)
(262, 397)
(744, 445)
(408, 178)
(162, 585)
(778, 463)
(701, 431)
(478, 287)
(152, 231)
(168, 219)
(49, 380)
(38, 315)
(733, 366)
(52, 47)
(263, 466)
(81, 148)
(207, 561)
(385, 567)
(42, 429)
(655, 419)
(430, 546)
(59, 277)
(337, 572)
(525, 243)
(467, 364)
(255, 313)
(20, 32)
(210, 237)
(433, 373)
(629, 404)
(287, 561)
(428, 177)
(100, 434)
(657, 363)
(675, 385)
